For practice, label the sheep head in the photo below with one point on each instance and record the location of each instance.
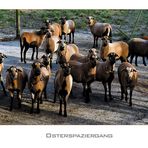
(131, 72)
(112, 57)
(63, 20)
(36, 68)
(2, 56)
(66, 68)
(90, 20)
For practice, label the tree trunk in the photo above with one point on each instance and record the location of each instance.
(17, 23)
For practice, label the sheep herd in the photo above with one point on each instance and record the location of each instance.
(73, 66)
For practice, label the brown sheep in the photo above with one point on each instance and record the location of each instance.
(120, 48)
(84, 73)
(105, 73)
(65, 51)
(99, 30)
(63, 84)
(145, 37)
(128, 76)
(31, 40)
(50, 45)
(138, 47)
(16, 79)
(55, 27)
(81, 58)
(38, 79)
(68, 28)
(2, 56)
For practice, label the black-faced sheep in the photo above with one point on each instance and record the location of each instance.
(2, 56)
(138, 47)
(120, 48)
(128, 76)
(63, 85)
(105, 73)
(31, 40)
(99, 30)
(38, 79)
(68, 28)
(16, 79)
(50, 45)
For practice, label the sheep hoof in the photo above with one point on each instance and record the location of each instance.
(38, 111)
(130, 104)
(87, 100)
(60, 113)
(65, 115)
(31, 111)
(10, 109)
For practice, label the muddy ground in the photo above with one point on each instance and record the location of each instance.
(97, 112)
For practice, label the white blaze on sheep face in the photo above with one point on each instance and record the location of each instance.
(130, 72)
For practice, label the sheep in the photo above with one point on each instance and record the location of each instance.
(84, 73)
(120, 48)
(68, 28)
(38, 79)
(55, 27)
(31, 40)
(145, 37)
(2, 56)
(65, 51)
(128, 76)
(63, 84)
(50, 44)
(138, 47)
(16, 80)
(99, 30)
(81, 58)
(105, 73)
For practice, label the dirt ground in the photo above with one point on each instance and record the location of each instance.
(97, 112)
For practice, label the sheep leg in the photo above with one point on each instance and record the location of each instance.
(87, 96)
(130, 102)
(126, 95)
(38, 103)
(33, 96)
(131, 59)
(19, 99)
(72, 37)
(109, 87)
(144, 61)
(84, 89)
(122, 93)
(105, 89)
(2, 84)
(65, 107)
(11, 102)
(94, 42)
(32, 57)
(51, 60)
(37, 51)
(136, 60)
(60, 111)
(69, 37)
(26, 48)
(22, 47)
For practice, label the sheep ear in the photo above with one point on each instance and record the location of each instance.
(8, 70)
(4, 56)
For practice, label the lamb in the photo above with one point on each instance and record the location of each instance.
(99, 30)
(38, 79)
(55, 27)
(65, 51)
(120, 48)
(50, 45)
(68, 28)
(84, 73)
(2, 56)
(138, 47)
(16, 80)
(31, 40)
(63, 84)
(105, 73)
(81, 58)
(128, 76)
